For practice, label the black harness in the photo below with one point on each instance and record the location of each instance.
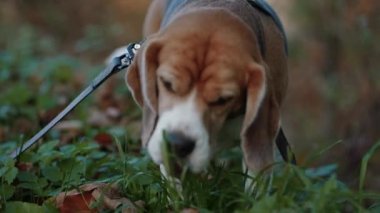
(264, 7)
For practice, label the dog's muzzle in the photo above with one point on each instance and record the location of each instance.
(182, 128)
(180, 144)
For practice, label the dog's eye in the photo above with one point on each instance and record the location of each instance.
(167, 84)
(221, 101)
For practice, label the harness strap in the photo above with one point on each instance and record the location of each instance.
(284, 148)
(171, 6)
(281, 141)
(264, 7)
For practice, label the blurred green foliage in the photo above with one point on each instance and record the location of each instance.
(334, 88)
(50, 50)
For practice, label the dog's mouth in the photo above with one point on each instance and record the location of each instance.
(174, 165)
(177, 169)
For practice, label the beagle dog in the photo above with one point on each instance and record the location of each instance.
(203, 63)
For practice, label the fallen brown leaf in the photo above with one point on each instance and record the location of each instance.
(106, 197)
(24, 166)
(77, 203)
(104, 140)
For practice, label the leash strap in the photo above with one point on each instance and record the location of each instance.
(116, 65)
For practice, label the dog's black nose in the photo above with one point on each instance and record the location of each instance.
(180, 144)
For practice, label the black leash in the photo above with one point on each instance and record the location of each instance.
(118, 63)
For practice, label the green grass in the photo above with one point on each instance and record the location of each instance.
(31, 82)
(290, 189)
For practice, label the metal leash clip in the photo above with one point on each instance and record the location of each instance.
(129, 55)
(117, 64)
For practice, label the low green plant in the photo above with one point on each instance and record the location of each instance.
(290, 188)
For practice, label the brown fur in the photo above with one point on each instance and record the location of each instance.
(212, 46)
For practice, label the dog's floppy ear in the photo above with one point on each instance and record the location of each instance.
(141, 75)
(261, 119)
(141, 81)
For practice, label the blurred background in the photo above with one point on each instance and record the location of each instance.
(49, 50)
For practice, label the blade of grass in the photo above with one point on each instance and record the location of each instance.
(363, 168)
(166, 154)
(323, 151)
(119, 148)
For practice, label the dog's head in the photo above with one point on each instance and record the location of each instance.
(188, 82)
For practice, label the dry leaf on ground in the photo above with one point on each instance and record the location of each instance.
(95, 197)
